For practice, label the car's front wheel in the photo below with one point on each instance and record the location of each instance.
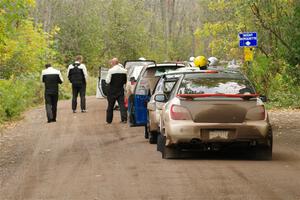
(153, 137)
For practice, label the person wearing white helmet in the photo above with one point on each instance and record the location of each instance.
(213, 61)
(191, 61)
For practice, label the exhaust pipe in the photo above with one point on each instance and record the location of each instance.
(195, 141)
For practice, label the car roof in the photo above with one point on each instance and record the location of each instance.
(209, 73)
(166, 65)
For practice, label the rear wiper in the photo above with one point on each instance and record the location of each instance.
(193, 96)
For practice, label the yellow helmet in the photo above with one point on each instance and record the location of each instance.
(200, 61)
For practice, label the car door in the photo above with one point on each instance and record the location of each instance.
(102, 86)
(134, 69)
(138, 113)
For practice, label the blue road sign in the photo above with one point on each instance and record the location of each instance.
(248, 39)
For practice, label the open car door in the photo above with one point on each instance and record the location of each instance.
(137, 109)
(134, 69)
(102, 86)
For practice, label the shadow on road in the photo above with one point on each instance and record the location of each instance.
(233, 154)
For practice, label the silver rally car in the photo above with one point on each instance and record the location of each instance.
(210, 110)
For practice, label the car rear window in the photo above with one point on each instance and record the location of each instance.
(192, 84)
(158, 71)
(150, 77)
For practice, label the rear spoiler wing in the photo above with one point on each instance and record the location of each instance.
(193, 96)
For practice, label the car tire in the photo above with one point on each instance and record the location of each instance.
(265, 152)
(146, 132)
(160, 142)
(166, 152)
(170, 152)
(153, 137)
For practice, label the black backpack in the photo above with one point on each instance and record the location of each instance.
(76, 75)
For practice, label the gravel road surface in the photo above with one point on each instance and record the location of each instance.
(80, 157)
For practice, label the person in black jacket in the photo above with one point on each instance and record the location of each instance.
(51, 78)
(77, 74)
(116, 79)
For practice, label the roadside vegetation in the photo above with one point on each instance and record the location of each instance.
(35, 32)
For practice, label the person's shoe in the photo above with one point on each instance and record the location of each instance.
(54, 120)
(83, 111)
(74, 111)
(123, 122)
(108, 123)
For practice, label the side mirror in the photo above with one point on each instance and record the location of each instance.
(263, 98)
(160, 98)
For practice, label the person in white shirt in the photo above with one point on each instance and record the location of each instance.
(116, 79)
(51, 78)
(77, 74)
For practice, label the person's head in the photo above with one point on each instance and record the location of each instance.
(47, 65)
(213, 61)
(201, 62)
(79, 58)
(114, 61)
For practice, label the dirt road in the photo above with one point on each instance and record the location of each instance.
(80, 157)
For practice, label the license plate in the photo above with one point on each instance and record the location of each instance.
(218, 134)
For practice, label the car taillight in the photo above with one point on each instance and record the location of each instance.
(256, 113)
(180, 113)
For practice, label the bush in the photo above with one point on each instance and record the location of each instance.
(272, 79)
(17, 94)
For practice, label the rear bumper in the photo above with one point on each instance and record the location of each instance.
(185, 131)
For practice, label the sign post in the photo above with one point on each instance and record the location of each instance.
(248, 41)
(248, 54)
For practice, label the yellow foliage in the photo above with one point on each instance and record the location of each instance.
(31, 3)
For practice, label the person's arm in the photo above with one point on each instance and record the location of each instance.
(84, 71)
(68, 73)
(108, 77)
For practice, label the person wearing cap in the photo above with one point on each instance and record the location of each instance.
(51, 78)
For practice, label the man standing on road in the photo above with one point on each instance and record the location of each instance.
(77, 74)
(51, 78)
(116, 79)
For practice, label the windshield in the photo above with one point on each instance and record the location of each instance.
(134, 68)
(134, 72)
(158, 71)
(192, 84)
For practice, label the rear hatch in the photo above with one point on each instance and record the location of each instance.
(224, 110)
(219, 98)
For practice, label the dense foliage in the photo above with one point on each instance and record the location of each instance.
(33, 32)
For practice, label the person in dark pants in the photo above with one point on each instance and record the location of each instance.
(51, 78)
(77, 74)
(116, 80)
